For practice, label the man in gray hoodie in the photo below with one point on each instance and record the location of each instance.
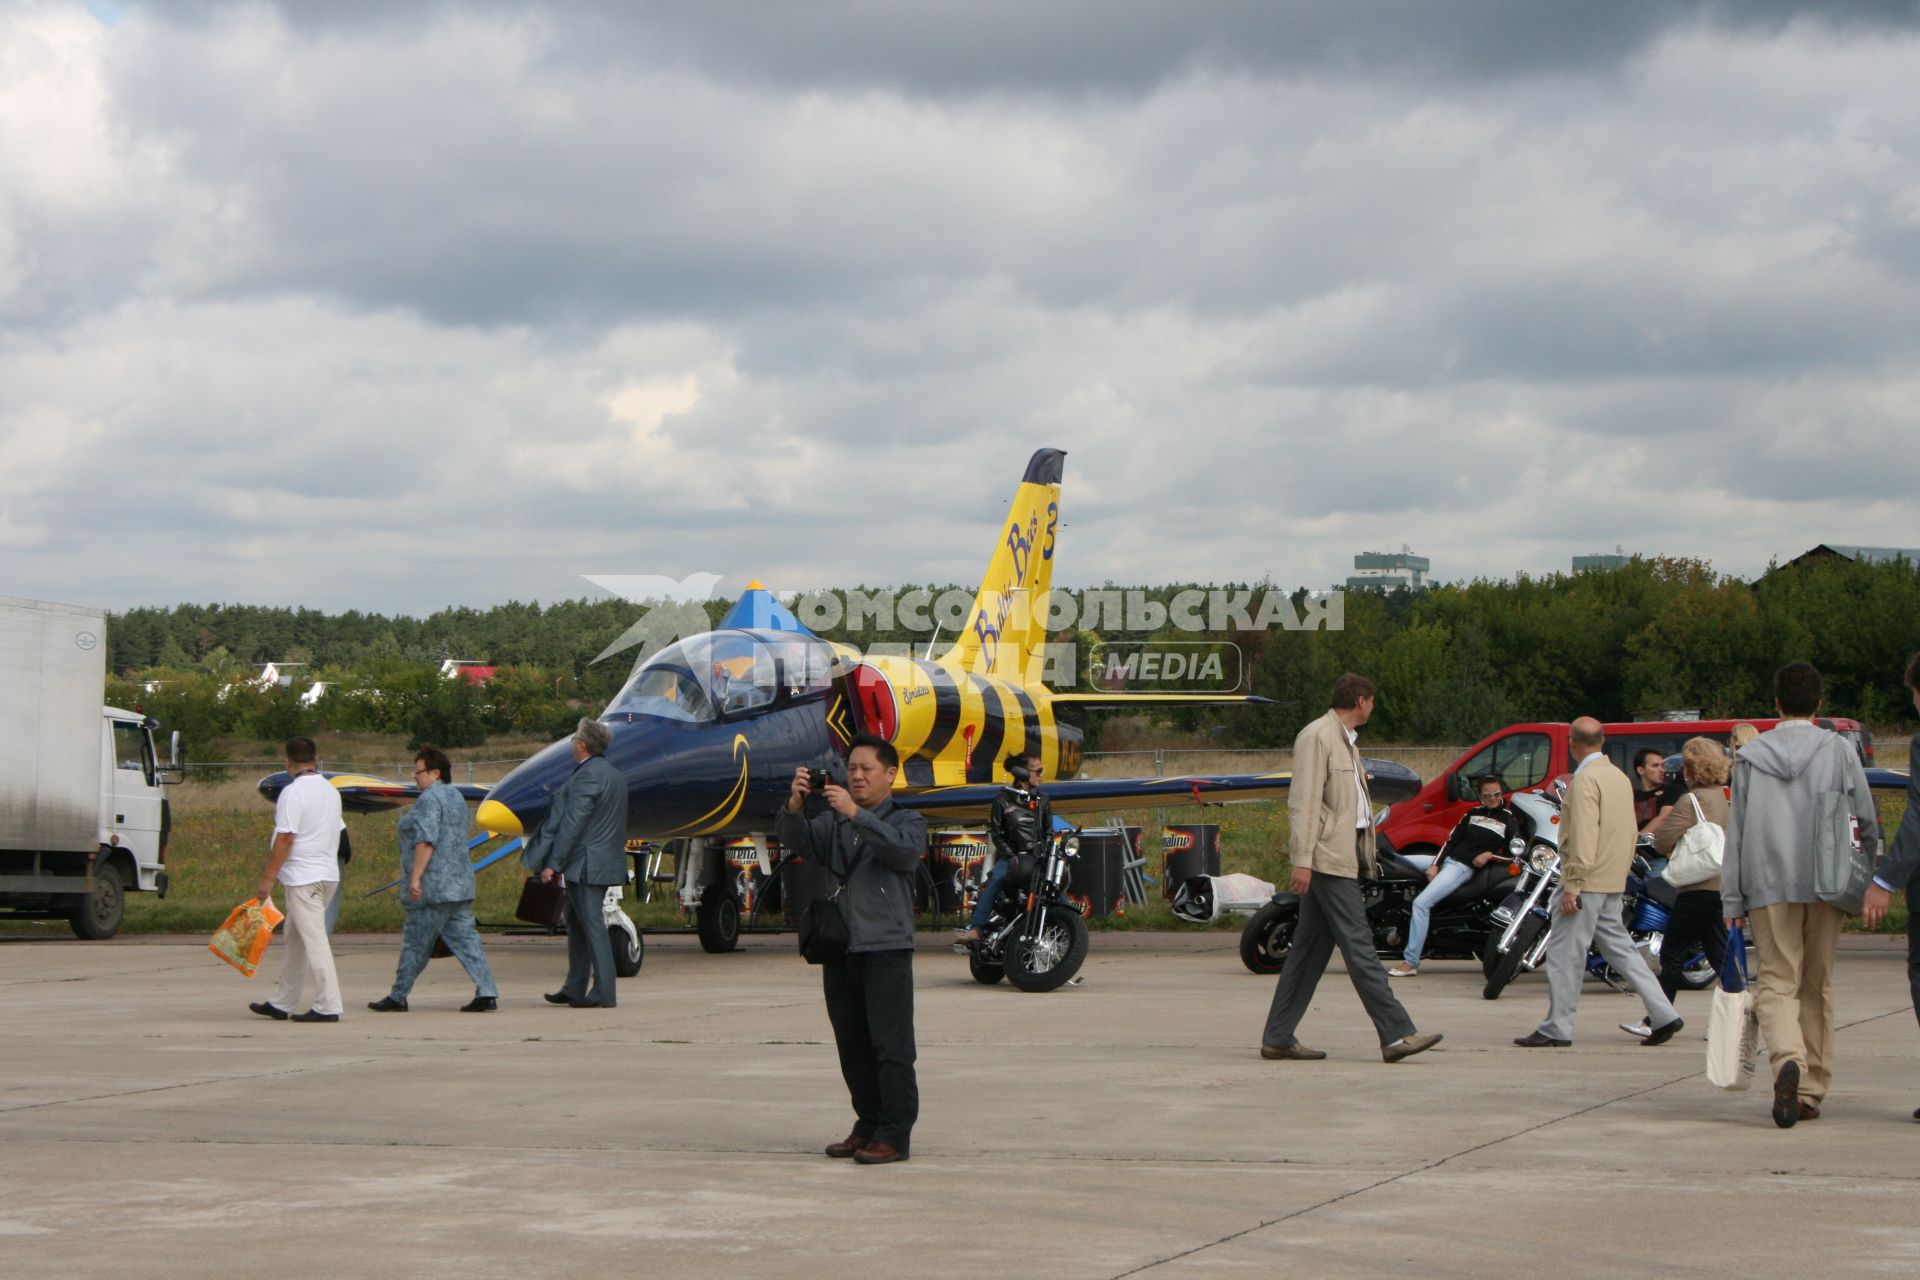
(1767, 876)
(872, 847)
(1901, 870)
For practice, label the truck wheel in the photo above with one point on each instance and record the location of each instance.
(718, 919)
(98, 915)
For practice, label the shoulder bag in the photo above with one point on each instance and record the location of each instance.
(1697, 855)
(1841, 871)
(823, 926)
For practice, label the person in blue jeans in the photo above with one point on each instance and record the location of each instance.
(1479, 838)
(1021, 821)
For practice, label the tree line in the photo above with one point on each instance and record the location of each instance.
(1453, 663)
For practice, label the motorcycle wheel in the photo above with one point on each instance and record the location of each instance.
(1698, 973)
(1046, 962)
(1490, 953)
(985, 972)
(1268, 936)
(1508, 966)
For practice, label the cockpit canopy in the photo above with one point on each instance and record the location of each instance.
(725, 673)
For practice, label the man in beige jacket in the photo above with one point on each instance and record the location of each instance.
(1331, 847)
(1596, 853)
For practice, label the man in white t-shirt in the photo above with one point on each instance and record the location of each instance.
(304, 858)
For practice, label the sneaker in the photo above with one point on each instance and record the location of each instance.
(1639, 1029)
(1786, 1096)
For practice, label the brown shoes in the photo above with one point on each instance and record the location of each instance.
(1786, 1096)
(1808, 1111)
(1296, 1052)
(878, 1153)
(852, 1144)
(1407, 1046)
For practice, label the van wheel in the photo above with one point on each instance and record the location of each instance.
(98, 914)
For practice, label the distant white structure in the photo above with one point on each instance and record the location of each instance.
(1389, 571)
(315, 691)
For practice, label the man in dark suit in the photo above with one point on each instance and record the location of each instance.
(1900, 870)
(584, 841)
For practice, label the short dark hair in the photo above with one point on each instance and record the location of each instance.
(1913, 671)
(879, 746)
(1348, 690)
(1480, 782)
(1640, 756)
(302, 750)
(1798, 689)
(436, 759)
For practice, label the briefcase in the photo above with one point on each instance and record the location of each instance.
(542, 902)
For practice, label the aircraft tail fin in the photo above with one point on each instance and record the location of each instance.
(1007, 625)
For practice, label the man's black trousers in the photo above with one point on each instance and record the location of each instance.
(870, 1003)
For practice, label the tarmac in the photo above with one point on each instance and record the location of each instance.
(151, 1126)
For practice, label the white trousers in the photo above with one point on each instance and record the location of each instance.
(307, 950)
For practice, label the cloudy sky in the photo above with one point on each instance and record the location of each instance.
(393, 307)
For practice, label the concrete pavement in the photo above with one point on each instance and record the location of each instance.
(151, 1126)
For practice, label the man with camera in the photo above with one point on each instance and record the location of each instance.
(871, 848)
(1021, 821)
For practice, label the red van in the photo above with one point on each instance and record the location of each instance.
(1526, 757)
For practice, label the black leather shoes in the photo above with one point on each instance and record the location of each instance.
(1664, 1032)
(267, 1009)
(312, 1016)
(557, 997)
(1540, 1040)
(387, 1004)
(480, 1004)
(1295, 1052)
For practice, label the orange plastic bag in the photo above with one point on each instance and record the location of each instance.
(243, 939)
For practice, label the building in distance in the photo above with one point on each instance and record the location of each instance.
(1615, 559)
(1389, 571)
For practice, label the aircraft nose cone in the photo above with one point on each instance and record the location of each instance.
(497, 818)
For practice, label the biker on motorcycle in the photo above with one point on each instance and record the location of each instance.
(1020, 821)
(1480, 837)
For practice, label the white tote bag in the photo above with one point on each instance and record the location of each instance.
(1697, 856)
(1733, 1028)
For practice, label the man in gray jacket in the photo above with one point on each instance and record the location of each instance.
(1767, 876)
(1901, 870)
(872, 847)
(584, 840)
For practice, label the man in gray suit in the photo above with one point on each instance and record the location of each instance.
(1330, 843)
(584, 840)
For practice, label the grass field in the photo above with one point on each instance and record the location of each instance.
(222, 826)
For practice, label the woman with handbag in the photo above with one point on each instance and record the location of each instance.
(1695, 917)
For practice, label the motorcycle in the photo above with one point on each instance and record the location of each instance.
(1523, 921)
(1456, 928)
(1036, 938)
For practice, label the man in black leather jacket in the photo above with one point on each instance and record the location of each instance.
(1021, 821)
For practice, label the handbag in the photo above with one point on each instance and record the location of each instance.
(823, 926)
(1697, 856)
(1733, 1028)
(1841, 871)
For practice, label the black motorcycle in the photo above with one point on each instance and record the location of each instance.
(1035, 938)
(1456, 929)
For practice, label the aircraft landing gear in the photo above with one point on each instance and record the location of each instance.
(718, 919)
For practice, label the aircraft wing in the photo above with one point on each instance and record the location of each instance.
(1386, 780)
(1888, 780)
(364, 793)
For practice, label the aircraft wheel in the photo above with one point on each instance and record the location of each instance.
(718, 919)
(628, 952)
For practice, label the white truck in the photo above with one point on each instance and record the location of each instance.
(84, 816)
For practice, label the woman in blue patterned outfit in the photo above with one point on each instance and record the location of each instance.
(438, 893)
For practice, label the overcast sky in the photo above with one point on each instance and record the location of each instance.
(395, 307)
